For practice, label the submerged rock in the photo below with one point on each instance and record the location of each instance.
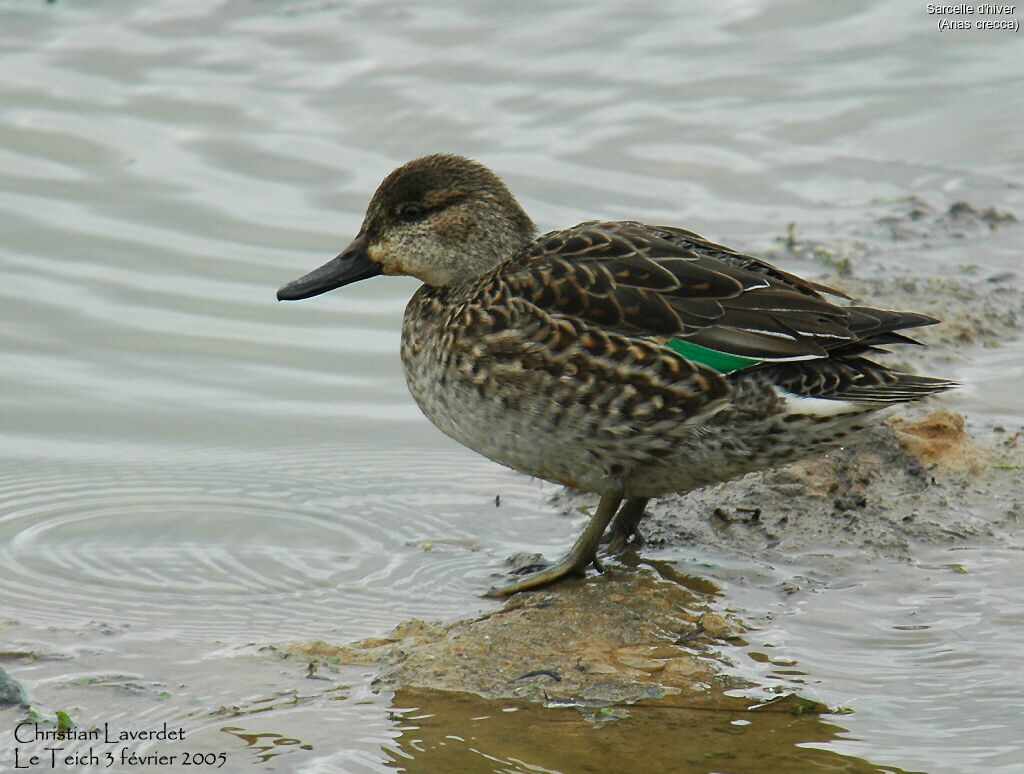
(11, 691)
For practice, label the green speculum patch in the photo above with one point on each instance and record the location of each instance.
(722, 362)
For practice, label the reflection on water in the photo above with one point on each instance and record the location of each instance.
(445, 732)
(190, 472)
(268, 745)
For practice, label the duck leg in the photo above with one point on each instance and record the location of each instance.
(582, 554)
(626, 525)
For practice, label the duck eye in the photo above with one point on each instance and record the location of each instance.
(411, 212)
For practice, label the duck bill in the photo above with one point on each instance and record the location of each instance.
(352, 265)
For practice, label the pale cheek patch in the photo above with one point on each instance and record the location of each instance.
(379, 253)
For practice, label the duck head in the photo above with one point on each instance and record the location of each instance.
(443, 219)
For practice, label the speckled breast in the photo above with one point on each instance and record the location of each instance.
(515, 416)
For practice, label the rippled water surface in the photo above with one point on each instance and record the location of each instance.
(191, 472)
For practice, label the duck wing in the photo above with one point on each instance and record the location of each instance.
(710, 304)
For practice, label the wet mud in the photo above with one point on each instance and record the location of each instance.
(906, 483)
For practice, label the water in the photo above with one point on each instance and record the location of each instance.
(191, 472)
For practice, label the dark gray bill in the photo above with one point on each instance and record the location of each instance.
(352, 265)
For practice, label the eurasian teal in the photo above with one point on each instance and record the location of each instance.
(619, 358)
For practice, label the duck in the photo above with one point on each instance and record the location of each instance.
(618, 358)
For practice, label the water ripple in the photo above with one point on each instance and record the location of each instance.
(188, 539)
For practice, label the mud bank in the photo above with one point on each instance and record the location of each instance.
(905, 483)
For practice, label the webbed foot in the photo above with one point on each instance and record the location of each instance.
(580, 556)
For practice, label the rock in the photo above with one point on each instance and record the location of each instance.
(623, 636)
(11, 691)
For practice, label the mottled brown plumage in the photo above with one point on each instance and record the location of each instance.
(618, 358)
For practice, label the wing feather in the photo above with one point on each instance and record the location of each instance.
(643, 281)
(670, 314)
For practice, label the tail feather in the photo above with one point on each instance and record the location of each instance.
(855, 379)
